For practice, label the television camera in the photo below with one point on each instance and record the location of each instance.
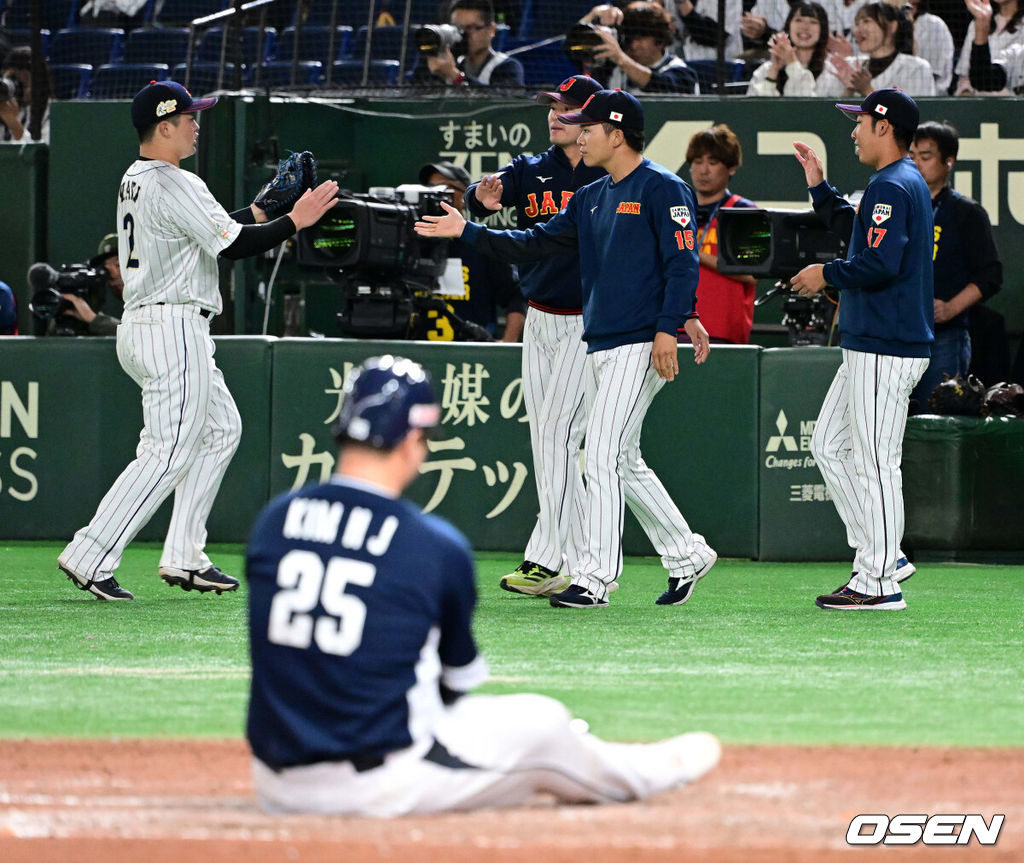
(778, 244)
(47, 286)
(388, 274)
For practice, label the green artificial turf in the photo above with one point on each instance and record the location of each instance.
(749, 657)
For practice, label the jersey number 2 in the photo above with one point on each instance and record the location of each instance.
(129, 226)
(304, 582)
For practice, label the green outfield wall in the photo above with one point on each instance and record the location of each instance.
(730, 440)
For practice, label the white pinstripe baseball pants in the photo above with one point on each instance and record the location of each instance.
(191, 428)
(858, 445)
(554, 355)
(620, 386)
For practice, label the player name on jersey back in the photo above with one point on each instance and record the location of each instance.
(327, 522)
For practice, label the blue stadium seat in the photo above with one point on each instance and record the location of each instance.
(202, 78)
(157, 45)
(70, 80)
(544, 64)
(349, 73)
(24, 37)
(386, 44)
(279, 74)
(83, 45)
(253, 53)
(124, 80)
(178, 13)
(314, 43)
(352, 13)
(544, 18)
(707, 74)
(56, 14)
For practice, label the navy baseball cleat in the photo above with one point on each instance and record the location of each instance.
(108, 589)
(846, 599)
(204, 580)
(904, 569)
(680, 589)
(575, 596)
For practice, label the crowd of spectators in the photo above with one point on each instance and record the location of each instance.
(925, 46)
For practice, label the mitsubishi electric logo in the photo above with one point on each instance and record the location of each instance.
(783, 439)
(781, 444)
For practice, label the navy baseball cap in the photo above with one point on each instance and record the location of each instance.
(572, 92)
(161, 100)
(446, 169)
(608, 106)
(384, 399)
(887, 104)
(8, 311)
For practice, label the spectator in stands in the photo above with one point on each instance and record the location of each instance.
(8, 311)
(932, 42)
(725, 303)
(992, 57)
(126, 14)
(697, 27)
(474, 286)
(16, 110)
(967, 269)
(767, 17)
(640, 60)
(480, 65)
(798, 54)
(885, 39)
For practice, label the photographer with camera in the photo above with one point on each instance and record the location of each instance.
(16, 98)
(459, 53)
(639, 60)
(473, 285)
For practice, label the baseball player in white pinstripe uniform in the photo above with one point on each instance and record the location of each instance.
(170, 233)
(886, 315)
(634, 230)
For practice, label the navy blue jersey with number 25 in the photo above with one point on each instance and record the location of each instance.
(359, 604)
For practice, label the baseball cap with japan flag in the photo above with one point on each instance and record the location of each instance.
(608, 106)
(886, 104)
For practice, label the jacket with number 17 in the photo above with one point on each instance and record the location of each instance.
(886, 305)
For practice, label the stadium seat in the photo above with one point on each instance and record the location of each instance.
(24, 37)
(157, 45)
(542, 19)
(353, 13)
(56, 14)
(279, 74)
(543, 64)
(124, 80)
(203, 78)
(70, 80)
(314, 43)
(349, 73)
(385, 44)
(83, 45)
(209, 49)
(707, 73)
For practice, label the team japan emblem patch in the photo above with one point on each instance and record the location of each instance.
(680, 215)
(881, 213)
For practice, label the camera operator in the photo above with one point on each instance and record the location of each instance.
(16, 99)
(99, 322)
(479, 64)
(473, 286)
(641, 61)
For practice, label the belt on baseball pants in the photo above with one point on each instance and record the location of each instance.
(206, 313)
(437, 754)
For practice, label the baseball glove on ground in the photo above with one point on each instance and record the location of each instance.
(958, 396)
(294, 175)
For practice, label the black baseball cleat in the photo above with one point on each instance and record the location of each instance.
(847, 599)
(680, 589)
(205, 580)
(575, 596)
(108, 589)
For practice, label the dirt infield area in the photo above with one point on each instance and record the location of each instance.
(160, 801)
